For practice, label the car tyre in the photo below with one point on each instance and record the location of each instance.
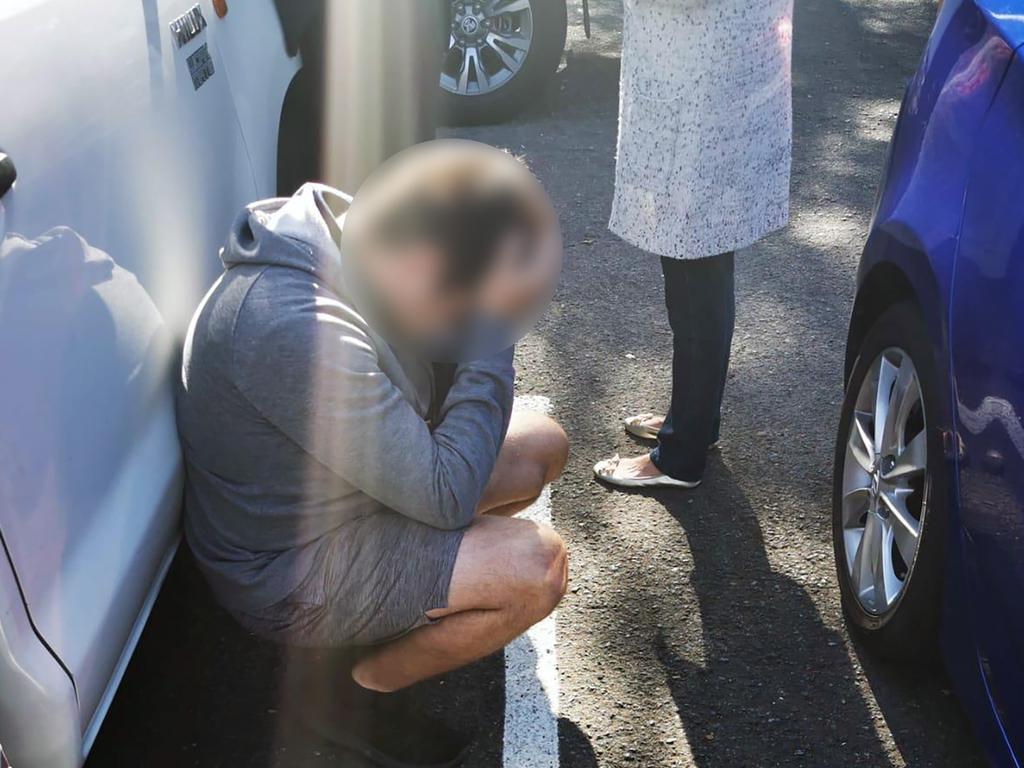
(547, 42)
(903, 626)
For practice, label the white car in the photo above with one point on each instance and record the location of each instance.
(136, 131)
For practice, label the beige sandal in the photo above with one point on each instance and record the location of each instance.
(637, 426)
(604, 470)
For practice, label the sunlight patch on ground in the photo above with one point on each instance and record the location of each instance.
(826, 225)
(875, 119)
(880, 17)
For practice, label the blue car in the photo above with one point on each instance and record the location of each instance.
(928, 506)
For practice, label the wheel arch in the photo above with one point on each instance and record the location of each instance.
(299, 130)
(893, 272)
(883, 286)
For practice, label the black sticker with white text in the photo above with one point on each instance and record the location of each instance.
(200, 66)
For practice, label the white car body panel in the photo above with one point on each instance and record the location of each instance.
(258, 81)
(38, 710)
(114, 145)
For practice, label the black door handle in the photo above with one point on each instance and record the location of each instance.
(8, 173)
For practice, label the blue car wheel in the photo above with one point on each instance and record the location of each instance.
(887, 518)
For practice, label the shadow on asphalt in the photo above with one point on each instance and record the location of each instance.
(200, 691)
(776, 685)
(769, 656)
(574, 748)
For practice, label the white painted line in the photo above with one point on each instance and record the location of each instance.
(531, 668)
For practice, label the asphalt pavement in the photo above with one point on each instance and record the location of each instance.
(702, 628)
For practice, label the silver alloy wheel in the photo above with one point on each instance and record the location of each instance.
(488, 44)
(885, 481)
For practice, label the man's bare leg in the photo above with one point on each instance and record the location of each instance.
(533, 454)
(509, 575)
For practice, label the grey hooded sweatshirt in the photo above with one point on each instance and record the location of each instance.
(320, 504)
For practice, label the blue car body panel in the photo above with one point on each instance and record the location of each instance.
(1007, 17)
(949, 230)
(987, 322)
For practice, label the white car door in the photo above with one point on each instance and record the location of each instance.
(119, 118)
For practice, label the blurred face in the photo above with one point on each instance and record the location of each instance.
(446, 322)
(451, 192)
(408, 280)
(521, 279)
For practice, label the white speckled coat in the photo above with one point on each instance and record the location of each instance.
(705, 125)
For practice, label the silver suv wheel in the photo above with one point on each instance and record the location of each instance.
(488, 43)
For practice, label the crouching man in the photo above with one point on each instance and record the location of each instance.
(344, 488)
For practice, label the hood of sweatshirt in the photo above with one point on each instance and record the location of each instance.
(304, 232)
(301, 232)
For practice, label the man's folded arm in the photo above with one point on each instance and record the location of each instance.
(329, 396)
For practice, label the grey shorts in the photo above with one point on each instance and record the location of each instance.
(371, 580)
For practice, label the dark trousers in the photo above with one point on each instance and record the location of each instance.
(701, 301)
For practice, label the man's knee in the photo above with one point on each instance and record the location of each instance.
(556, 452)
(549, 450)
(547, 573)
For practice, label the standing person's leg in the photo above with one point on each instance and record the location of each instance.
(729, 296)
(700, 298)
